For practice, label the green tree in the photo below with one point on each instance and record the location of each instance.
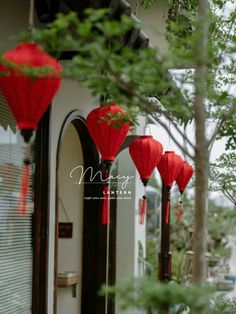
(223, 176)
(117, 72)
(149, 294)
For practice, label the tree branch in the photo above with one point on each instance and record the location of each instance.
(228, 195)
(146, 103)
(183, 135)
(221, 122)
(156, 119)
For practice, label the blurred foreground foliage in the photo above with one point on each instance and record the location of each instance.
(150, 295)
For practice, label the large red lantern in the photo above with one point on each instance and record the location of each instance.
(108, 128)
(146, 154)
(182, 180)
(169, 168)
(28, 93)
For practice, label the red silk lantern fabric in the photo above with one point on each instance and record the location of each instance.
(182, 180)
(169, 167)
(107, 130)
(146, 153)
(29, 97)
(184, 176)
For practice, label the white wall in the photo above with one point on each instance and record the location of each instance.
(69, 98)
(13, 19)
(153, 22)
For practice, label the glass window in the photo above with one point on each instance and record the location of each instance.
(16, 256)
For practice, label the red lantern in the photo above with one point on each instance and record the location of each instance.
(28, 94)
(184, 176)
(182, 180)
(169, 168)
(146, 154)
(108, 130)
(29, 97)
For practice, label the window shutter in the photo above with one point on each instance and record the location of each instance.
(16, 253)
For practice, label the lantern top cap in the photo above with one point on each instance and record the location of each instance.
(146, 136)
(110, 104)
(32, 55)
(169, 152)
(186, 162)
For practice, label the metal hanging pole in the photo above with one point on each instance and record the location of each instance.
(165, 255)
(107, 244)
(107, 259)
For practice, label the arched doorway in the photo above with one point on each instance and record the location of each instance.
(75, 218)
(70, 224)
(88, 242)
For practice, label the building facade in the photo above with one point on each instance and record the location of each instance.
(61, 235)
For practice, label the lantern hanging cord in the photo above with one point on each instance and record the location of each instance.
(27, 154)
(105, 208)
(167, 219)
(143, 207)
(25, 180)
(31, 15)
(64, 210)
(107, 261)
(147, 126)
(169, 139)
(180, 208)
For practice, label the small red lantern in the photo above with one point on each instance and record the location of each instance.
(108, 130)
(146, 154)
(169, 168)
(182, 180)
(28, 94)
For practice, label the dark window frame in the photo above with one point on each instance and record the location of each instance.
(41, 217)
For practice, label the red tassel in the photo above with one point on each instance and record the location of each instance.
(24, 188)
(179, 211)
(105, 208)
(167, 211)
(143, 210)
